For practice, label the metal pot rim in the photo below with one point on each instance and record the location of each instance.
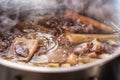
(56, 70)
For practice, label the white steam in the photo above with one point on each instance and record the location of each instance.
(99, 9)
(13, 8)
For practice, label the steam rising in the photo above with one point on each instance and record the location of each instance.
(11, 10)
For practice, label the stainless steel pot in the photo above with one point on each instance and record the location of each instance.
(106, 11)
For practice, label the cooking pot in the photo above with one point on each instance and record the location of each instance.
(105, 11)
